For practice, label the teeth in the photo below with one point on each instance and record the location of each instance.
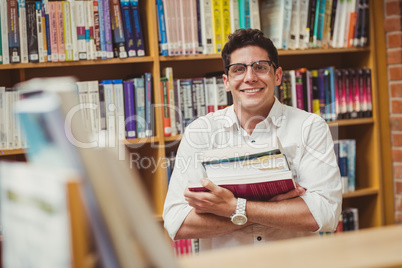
(252, 90)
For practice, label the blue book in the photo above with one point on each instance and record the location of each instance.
(321, 92)
(331, 92)
(163, 46)
(119, 41)
(247, 19)
(108, 29)
(102, 29)
(148, 105)
(320, 24)
(343, 164)
(242, 14)
(128, 28)
(137, 29)
(351, 164)
(129, 109)
(139, 89)
(13, 32)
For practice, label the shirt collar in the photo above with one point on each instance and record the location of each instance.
(275, 115)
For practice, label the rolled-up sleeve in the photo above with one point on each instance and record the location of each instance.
(318, 172)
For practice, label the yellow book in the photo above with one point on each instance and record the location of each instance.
(226, 29)
(217, 25)
(68, 38)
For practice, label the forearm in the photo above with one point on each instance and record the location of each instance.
(205, 225)
(290, 214)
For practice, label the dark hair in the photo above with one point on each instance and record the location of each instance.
(248, 37)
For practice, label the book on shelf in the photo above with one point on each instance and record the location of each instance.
(32, 33)
(168, 73)
(128, 29)
(149, 108)
(250, 173)
(119, 46)
(138, 34)
(129, 107)
(139, 91)
(163, 42)
(165, 108)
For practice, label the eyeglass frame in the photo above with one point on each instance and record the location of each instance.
(270, 63)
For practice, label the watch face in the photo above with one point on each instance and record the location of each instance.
(239, 219)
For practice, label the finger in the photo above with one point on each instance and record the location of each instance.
(208, 184)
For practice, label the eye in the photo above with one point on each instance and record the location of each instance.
(261, 67)
(237, 69)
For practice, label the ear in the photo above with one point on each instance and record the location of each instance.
(226, 82)
(278, 76)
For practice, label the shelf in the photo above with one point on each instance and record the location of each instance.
(351, 122)
(76, 63)
(141, 141)
(280, 52)
(362, 192)
(174, 138)
(11, 151)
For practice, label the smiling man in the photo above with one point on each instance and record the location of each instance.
(256, 118)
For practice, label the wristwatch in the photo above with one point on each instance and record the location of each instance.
(239, 217)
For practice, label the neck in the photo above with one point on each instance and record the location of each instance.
(249, 119)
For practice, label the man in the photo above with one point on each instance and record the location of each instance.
(256, 118)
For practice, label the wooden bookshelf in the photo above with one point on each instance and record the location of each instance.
(371, 133)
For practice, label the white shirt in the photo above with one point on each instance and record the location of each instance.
(308, 145)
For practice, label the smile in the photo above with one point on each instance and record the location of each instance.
(251, 90)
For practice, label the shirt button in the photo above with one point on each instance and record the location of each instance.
(259, 238)
(253, 141)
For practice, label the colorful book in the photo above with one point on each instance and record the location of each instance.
(40, 32)
(102, 30)
(249, 173)
(68, 31)
(80, 15)
(108, 29)
(4, 32)
(163, 45)
(32, 32)
(168, 73)
(149, 108)
(138, 35)
(53, 31)
(128, 28)
(60, 31)
(165, 109)
(217, 26)
(97, 41)
(13, 31)
(23, 31)
(139, 89)
(129, 99)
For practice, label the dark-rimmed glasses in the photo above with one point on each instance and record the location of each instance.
(237, 71)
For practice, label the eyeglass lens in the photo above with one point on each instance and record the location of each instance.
(238, 70)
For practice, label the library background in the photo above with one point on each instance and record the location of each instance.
(159, 63)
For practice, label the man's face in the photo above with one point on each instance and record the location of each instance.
(253, 93)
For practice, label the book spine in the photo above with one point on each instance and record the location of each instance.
(199, 93)
(53, 31)
(39, 31)
(60, 31)
(199, 29)
(343, 164)
(166, 110)
(210, 94)
(3, 114)
(46, 33)
(242, 14)
(287, 17)
(110, 112)
(316, 99)
(32, 32)
(208, 27)
(23, 31)
(367, 86)
(140, 105)
(68, 37)
(102, 29)
(108, 29)
(129, 109)
(80, 28)
(97, 41)
(94, 111)
(4, 31)
(234, 15)
(73, 27)
(303, 19)
(294, 26)
(247, 13)
(169, 26)
(254, 14)
(119, 112)
(89, 30)
(172, 104)
(148, 105)
(226, 30)
(128, 29)
(163, 45)
(299, 90)
(187, 103)
(119, 46)
(217, 25)
(194, 26)
(13, 31)
(137, 28)
(221, 97)
(351, 144)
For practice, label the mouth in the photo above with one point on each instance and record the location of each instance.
(251, 90)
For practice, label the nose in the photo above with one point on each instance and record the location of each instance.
(250, 76)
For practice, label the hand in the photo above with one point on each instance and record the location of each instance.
(299, 191)
(218, 201)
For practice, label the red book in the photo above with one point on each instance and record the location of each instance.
(166, 110)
